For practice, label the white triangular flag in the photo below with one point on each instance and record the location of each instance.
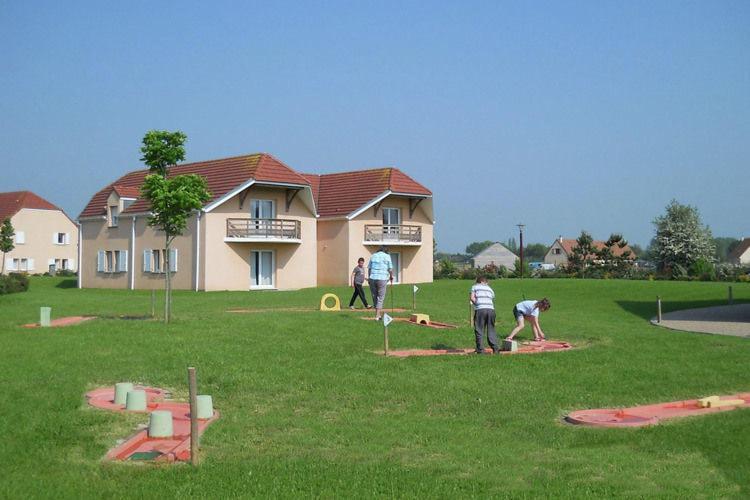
(386, 319)
(416, 288)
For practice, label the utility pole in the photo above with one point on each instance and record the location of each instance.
(520, 255)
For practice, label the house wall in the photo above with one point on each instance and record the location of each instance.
(227, 265)
(416, 261)
(334, 258)
(147, 238)
(39, 228)
(500, 257)
(744, 258)
(95, 236)
(560, 259)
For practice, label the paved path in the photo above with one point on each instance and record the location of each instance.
(722, 320)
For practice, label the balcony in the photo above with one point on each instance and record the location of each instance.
(393, 235)
(263, 230)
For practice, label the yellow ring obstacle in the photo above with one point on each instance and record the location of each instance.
(325, 307)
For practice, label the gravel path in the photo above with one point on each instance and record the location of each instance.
(721, 320)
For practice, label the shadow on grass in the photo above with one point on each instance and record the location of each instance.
(647, 310)
(67, 283)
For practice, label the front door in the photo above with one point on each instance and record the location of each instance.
(262, 270)
(396, 261)
(391, 223)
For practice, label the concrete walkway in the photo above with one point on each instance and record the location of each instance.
(721, 320)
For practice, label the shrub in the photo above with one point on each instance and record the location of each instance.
(13, 283)
(703, 270)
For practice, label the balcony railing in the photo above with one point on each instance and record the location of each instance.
(264, 229)
(393, 234)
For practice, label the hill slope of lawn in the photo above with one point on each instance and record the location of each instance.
(308, 409)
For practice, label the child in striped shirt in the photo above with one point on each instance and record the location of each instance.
(482, 296)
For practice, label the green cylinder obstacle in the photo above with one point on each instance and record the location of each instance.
(44, 316)
(205, 407)
(121, 392)
(160, 424)
(136, 401)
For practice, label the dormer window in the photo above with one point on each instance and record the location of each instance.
(113, 212)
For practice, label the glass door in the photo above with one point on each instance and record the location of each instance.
(396, 261)
(261, 211)
(262, 269)
(391, 223)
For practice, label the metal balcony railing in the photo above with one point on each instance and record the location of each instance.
(393, 233)
(260, 229)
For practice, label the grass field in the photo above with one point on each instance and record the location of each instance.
(309, 410)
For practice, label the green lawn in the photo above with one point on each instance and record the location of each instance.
(309, 410)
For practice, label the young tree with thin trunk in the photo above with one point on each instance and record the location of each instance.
(6, 240)
(173, 199)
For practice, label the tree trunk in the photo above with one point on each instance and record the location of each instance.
(167, 277)
(3, 269)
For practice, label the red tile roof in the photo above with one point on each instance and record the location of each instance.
(342, 193)
(569, 244)
(222, 176)
(334, 194)
(12, 202)
(740, 249)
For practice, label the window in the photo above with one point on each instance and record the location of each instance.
(154, 261)
(396, 261)
(112, 215)
(391, 223)
(262, 269)
(556, 251)
(62, 264)
(61, 238)
(112, 261)
(20, 237)
(261, 209)
(21, 264)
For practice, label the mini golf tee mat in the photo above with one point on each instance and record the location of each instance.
(66, 321)
(141, 447)
(638, 416)
(431, 324)
(523, 348)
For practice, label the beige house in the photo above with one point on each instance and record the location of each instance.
(496, 255)
(740, 256)
(46, 239)
(561, 249)
(266, 227)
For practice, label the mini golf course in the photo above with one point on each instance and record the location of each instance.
(523, 348)
(167, 439)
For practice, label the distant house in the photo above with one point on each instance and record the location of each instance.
(741, 254)
(45, 236)
(562, 248)
(496, 254)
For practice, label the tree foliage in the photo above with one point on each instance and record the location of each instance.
(724, 246)
(6, 240)
(681, 239)
(173, 199)
(534, 252)
(582, 255)
(477, 246)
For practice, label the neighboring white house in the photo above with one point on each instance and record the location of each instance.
(496, 254)
(741, 254)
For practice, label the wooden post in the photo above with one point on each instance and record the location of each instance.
(193, 388)
(471, 315)
(385, 339)
(731, 298)
(153, 303)
(658, 309)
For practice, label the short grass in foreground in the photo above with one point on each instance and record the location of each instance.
(308, 409)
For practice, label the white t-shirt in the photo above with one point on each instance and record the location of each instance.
(527, 308)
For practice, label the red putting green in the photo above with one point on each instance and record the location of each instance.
(638, 416)
(66, 321)
(524, 348)
(142, 447)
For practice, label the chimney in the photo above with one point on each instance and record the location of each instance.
(559, 238)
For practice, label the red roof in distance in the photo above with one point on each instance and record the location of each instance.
(12, 202)
(569, 244)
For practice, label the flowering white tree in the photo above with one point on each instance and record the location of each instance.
(681, 238)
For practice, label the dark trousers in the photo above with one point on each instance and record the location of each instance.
(485, 319)
(358, 292)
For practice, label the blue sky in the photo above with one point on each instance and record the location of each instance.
(561, 115)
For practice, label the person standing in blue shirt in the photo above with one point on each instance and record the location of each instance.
(380, 272)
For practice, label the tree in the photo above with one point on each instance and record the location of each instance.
(512, 245)
(534, 252)
(681, 239)
(583, 254)
(6, 240)
(477, 246)
(615, 262)
(723, 247)
(172, 199)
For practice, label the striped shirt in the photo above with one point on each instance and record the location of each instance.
(484, 296)
(379, 265)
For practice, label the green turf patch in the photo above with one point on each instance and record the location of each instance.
(145, 455)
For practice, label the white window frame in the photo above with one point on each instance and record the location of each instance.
(389, 231)
(20, 238)
(65, 238)
(273, 269)
(397, 271)
(113, 216)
